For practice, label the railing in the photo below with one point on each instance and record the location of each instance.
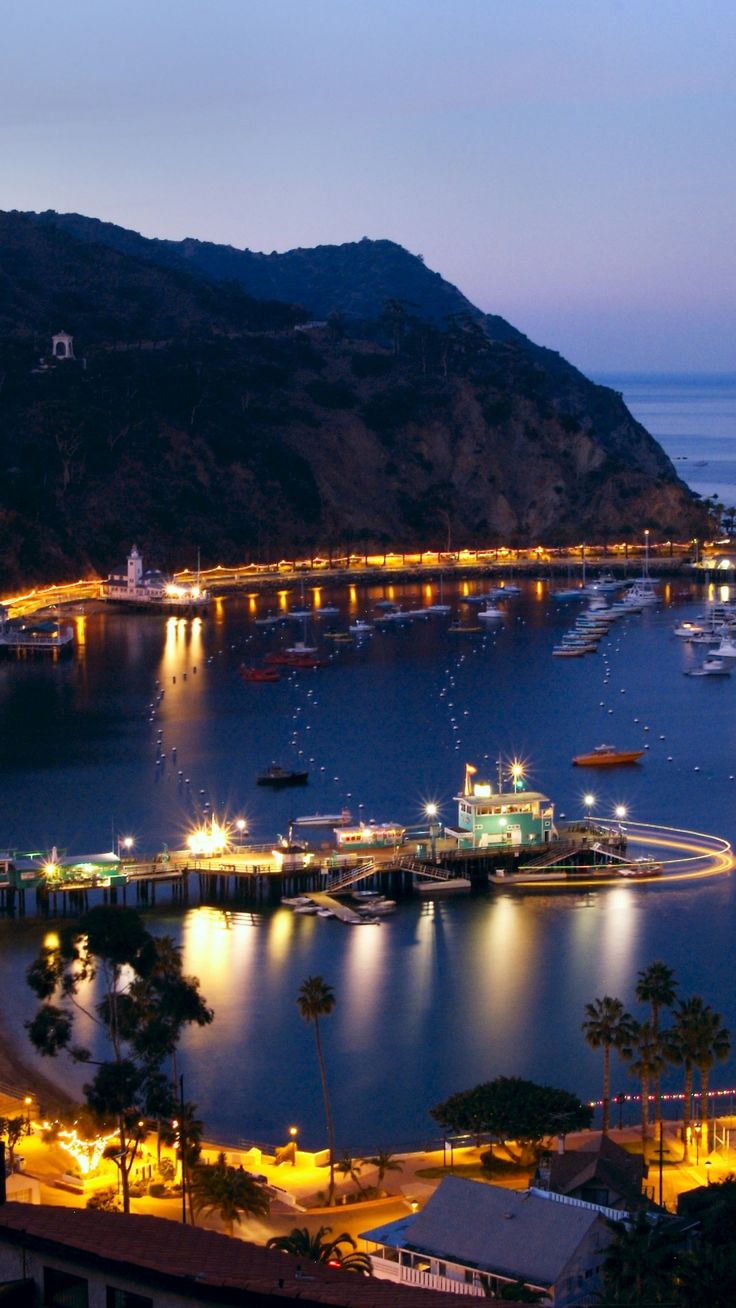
(352, 877)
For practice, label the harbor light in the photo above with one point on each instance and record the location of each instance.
(620, 813)
(431, 812)
(517, 775)
(209, 841)
(589, 802)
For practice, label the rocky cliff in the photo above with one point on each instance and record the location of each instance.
(200, 416)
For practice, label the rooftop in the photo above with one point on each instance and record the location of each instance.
(513, 1233)
(206, 1265)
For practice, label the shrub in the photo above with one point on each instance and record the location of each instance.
(157, 1189)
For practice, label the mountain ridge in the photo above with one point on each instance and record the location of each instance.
(206, 416)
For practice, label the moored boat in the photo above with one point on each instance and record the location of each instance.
(607, 756)
(278, 777)
(260, 674)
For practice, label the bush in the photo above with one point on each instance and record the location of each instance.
(105, 1201)
(157, 1189)
(166, 1169)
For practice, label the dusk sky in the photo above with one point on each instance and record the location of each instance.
(569, 164)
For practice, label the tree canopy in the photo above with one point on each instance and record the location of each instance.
(143, 1001)
(510, 1108)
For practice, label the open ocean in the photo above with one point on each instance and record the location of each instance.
(443, 994)
(693, 416)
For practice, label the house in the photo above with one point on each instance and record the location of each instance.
(81, 1258)
(602, 1173)
(489, 816)
(475, 1239)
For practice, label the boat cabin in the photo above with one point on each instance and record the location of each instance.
(372, 835)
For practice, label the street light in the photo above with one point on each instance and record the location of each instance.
(293, 1133)
(589, 802)
(125, 843)
(241, 826)
(434, 827)
(28, 1101)
(708, 1166)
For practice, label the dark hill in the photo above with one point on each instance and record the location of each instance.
(203, 417)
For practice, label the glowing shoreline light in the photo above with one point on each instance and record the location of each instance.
(87, 1154)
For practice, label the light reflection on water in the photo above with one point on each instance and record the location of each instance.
(444, 993)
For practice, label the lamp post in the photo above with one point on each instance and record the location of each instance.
(125, 843)
(708, 1166)
(620, 815)
(293, 1133)
(434, 828)
(696, 1133)
(28, 1101)
(589, 802)
(241, 826)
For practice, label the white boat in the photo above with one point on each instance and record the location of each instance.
(360, 627)
(301, 648)
(490, 613)
(324, 820)
(326, 611)
(569, 593)
(306, 910)
(300, 613)
(325, 912)
(711, 668)
(383, 906)
(726, 649)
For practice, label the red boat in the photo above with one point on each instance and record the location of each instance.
(260, 674)
(287, 660)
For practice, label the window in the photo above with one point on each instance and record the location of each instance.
(126, 1299)
(64, 1290)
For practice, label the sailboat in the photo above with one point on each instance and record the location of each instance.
(303, 611)
(441, 607)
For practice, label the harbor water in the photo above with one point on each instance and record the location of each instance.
(151, 723)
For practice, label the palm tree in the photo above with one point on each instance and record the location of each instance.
(608, 1026)
(350, 1167)
(315, 1000)
(685, 1048)
(657, 987)
(385, 1162)
(232, 1194)
(714, 1045)
(646, 1062)
(316, 1249)
(640, 1266)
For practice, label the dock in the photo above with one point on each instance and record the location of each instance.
(340, 910)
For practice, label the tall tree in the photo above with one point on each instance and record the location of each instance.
(145, 1002)
(316, 999)
(656, 985)
(607, 1026)
(231, 1193)
(714, 1045)
(316, 1249)
(646, 1063)
(684, 1048)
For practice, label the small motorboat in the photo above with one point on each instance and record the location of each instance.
(360, 627)
(712, 667)
(278, 778)
(490, 613)
(260, 674)
(607, 756)
(641, 867)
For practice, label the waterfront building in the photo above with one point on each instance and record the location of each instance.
(479, 1239)
(151, 589)
(492, 814)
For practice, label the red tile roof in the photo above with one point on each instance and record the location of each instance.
(206, 1260)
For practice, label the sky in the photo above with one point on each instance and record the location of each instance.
(569, 164)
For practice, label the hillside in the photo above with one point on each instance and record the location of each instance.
(203, 417)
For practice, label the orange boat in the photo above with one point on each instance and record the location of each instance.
(606, 756)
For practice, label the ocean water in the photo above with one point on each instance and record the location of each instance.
(693, 416)
(443, 994)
